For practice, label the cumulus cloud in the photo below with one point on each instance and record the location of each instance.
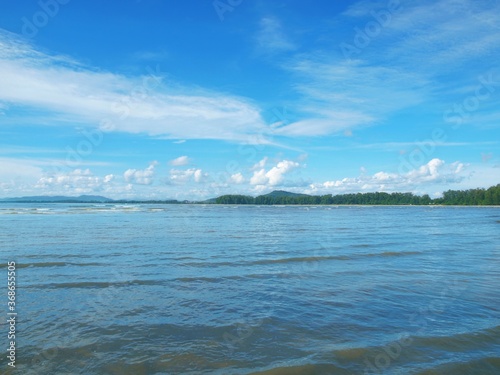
(76, 181)
(108, 178)
(275, 175)
(141, 176)
(436, 171)
(237, 178)
(259, 177)
(260, 164)
(188, 175)
(181, 160)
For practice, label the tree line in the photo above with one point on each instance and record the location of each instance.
(490, 196)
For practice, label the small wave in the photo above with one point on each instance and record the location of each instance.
(316, 369)
(301, 259)
(335, 257)
(385, 254)
(396, 253)
(461, 341)
(52, 264)
(483, 366)
(199, 279)
(304, 259)
(27, 212)
(208, 264)
(351, 354)
(361, 245)
(157, 209)
(233, 277)
(97, 284)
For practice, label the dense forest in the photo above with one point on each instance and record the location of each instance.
(471, 197)
(490, 196)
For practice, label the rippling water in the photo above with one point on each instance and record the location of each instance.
(193, 289)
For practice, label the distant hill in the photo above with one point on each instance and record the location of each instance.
(60, 198)
(282, 193)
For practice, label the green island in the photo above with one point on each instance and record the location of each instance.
(471, 197)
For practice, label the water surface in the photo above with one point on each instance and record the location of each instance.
(193, 289)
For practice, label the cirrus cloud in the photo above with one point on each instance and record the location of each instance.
(181, 160)
(67, 92)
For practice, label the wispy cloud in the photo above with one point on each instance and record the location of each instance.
(405, 66)
(15, 169)
(435, 37)
(152, 56)
(429, 143)
(271, 38)
(71, 93)
(339, 95)
(362, 8)
(181, 160)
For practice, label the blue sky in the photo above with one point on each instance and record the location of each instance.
(194, 99)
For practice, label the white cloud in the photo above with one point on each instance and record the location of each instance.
(363, 7)
(319, 126)
(67, 92)
(193, 183)
(198, 175)
(14, 168)
(339, 95)
(78, 181)
(184, 176)
(275, 175)
(260, 164)
(451, 32)
(435, 172)
(259, 177)
(237, 178)
(34, 176)
(141, 176)
(181, 160)
(271, 38)
(383, 176)
(108, 178)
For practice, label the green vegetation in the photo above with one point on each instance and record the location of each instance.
(471, 197)
(235, 199)
(478, 197)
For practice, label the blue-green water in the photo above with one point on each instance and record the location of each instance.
(192, 289)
